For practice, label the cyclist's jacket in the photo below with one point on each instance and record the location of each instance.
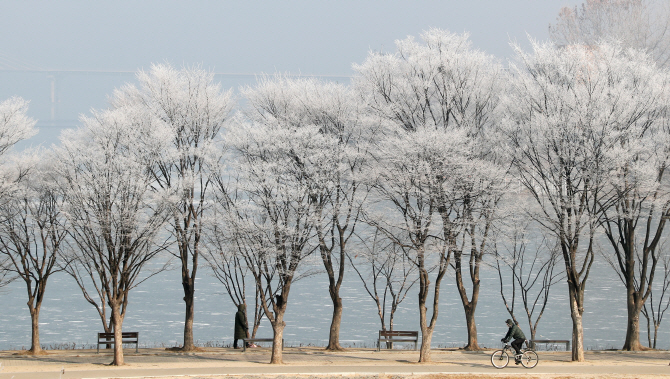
(514, 333)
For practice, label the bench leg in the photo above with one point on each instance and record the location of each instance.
(98, 349)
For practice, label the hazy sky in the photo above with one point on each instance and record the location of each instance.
(308, 37)
(314, 37)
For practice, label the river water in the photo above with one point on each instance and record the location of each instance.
(156, 311)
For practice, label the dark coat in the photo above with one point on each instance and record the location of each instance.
(241, 322)
(514, 333)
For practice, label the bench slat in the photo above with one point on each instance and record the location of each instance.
(398, 333)
(123, 335)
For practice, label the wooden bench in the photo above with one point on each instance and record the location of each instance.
(252, 340)
(566, 342)
(126, 337)
(397, 336)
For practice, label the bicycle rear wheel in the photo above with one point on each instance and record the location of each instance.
(529, 359)
(499, 359)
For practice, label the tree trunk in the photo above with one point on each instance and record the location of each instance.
(334, 336)
(577, 329)
(118, 339)
(632, 342)
(189, 297)
(258, 314)
(189, 236)
(469, 306)
(426, 333)
(389, 345)
(35, 347)
(531, 344)
(471, 326)
(277, 344)
(334, 284)
(424, 285)
(646, 316)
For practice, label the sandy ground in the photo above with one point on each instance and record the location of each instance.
(316, 363)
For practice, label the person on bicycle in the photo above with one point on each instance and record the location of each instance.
(517, 335)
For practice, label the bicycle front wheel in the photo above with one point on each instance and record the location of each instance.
(499, 359)
(529, 359)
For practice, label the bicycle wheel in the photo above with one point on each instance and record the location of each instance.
(529, 359)
(499, 359)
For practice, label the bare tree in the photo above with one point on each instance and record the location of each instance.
(654, 310)
(5, 274)
(114, 217)
(640, 200)
(195, 109)
(387, 275)
(530, 274)
(640, 24)
(226, 262)
(336, 182)
(15, 126)
(31, 234)
(273, 215)
(479, 203)
(567, 113)
(403, 207)
(438, 99)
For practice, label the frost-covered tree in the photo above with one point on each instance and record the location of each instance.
(222, 251)
(272, 216)
(438, 100)
(567, 112)
(195, 109)
(638, 206)
(526, 270)
(658, 303)
(403, 206)
(114, 217)
(31, 233)
(639, 24)
(386, 273)
(15, 125)
(335, 178)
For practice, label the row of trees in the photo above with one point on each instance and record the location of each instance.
(409, 167)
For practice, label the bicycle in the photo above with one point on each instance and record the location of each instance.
(500, 358)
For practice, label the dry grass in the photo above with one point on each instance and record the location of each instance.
(28, 352)
(181, 349)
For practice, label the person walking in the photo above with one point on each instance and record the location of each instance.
(241, 326)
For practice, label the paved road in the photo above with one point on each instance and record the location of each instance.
(217, 362)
